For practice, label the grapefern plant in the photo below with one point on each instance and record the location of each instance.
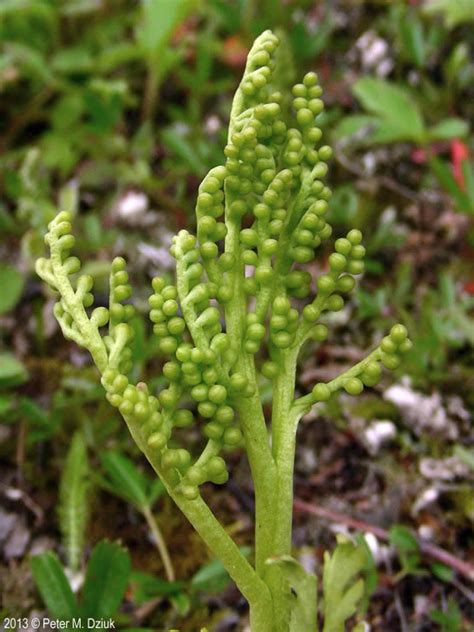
(241, 309)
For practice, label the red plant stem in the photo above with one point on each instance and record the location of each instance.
(429, 550)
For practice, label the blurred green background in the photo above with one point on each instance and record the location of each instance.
(114, 110)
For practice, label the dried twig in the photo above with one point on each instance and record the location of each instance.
(429, 550)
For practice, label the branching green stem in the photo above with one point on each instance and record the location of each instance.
(303, 405)
(77, 311)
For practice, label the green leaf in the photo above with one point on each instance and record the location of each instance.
(343, 205)
(407, 547)
(53, 586)
(30, 61)
(181, 603)
(444, 174)
(394, 107)
(443, 572)
(466, 455)
(468, 173)
(350, 125)
(68, 61)
(450, 619)
(145, 587)
(178, 143)
(12, 371)
(11, 282)
(81, 7)
(41, 424)
(7, 221)
(117, 55)
(6, 405)
(107, 578)
(412, 38)
(68, 112)
(447, 290)
(301, 591)
(73, 506)
(160, 19)
(449, 128)
(156, 490)
(58, 151)
(455, 12)
(343, 587)
(12, 6)
(125, 479)
(403, 539)
(143, 142)
(389, 132)
(457, 62)
(211, 578)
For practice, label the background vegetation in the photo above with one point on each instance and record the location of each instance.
(115, 110)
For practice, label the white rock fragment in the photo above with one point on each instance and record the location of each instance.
(42, 544)
(422, 413)
(17, 541)
(378, 434)
(7, 522)
(380, 552)
(76, 579)
(307, 560)
(158, 257)
(374, 53)
(456, 408)
(422, 605)
(426, 532)
(212, 124)
(131, 205)
(427, 497)
(369, 161)
(389, 215)
(342, 530)
(307, 459)
(444, 469)
(385, 67)
(373, 544)
(338, 319)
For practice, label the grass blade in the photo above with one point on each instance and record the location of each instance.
(73, 500)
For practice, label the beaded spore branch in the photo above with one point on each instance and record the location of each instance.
(242, 307)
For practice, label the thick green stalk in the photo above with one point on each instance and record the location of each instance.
(281, 518)
(263, 474)
(217, 539)
(250, 410)
(284, 424)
